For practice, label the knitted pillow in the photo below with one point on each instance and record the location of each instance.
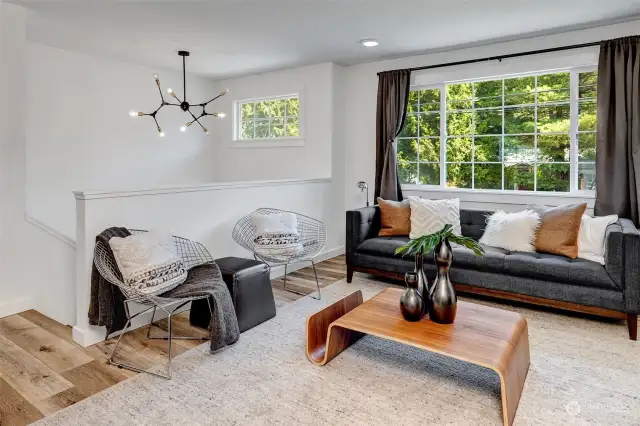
(148, 262)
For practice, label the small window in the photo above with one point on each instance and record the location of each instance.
(270, 118)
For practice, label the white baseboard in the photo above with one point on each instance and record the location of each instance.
(278, 271)
(95, 335)
(17, 306)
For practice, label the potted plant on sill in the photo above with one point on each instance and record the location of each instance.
(441, 298)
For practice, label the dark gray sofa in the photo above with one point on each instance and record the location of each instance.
(612, 290)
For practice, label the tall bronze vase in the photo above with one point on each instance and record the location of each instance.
(423, 284)
(442, 296)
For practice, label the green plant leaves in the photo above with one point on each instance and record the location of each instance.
(426, 243)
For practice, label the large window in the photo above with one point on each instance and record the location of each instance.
(517, 133)
(270, 118)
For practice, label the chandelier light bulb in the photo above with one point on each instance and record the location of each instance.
(183, 129)
(206, 132)
(221, 115)
(133, 113)
(156, 76)
(170, 91)
(161, 134)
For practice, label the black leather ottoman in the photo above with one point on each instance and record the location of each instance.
(250, 287)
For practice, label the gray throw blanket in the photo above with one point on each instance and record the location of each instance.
(204, 280)
(106, 307)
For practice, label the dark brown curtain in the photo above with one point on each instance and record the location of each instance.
(618, 129)
(393, 95)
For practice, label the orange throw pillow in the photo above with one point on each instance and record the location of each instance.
(395, 217)
(559, 230)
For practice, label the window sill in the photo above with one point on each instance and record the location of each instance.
(494, 197)
(267, 143)
(429, 188)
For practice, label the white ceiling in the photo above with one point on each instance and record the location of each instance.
(237, 37)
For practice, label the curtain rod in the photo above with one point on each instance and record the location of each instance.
(501, 57)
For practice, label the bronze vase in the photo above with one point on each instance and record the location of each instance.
(423, 284)
(442, 302)
(412, 305)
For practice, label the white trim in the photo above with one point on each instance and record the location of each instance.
(267, 142)
(586, 195)
(46, 228)
(278, 271)
(90, 195)
(17, 306)
(496, 197)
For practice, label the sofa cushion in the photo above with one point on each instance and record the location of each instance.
(492, 261)
(382, 246)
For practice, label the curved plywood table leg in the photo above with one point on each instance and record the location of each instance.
(513, 374)
(324, 340)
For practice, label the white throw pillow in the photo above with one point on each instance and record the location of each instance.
(591, 237)
(275, 222)
(429, 216)
(512, 231)
(277, 235)
(149, 262)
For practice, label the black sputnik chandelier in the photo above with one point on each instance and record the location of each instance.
(183, 104)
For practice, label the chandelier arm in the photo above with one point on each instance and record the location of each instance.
(159, 108)
(208, 102)
(160, 90)
(157, 124)
(197, 121)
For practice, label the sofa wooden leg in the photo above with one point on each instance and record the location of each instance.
(349, 273)
(632, 323)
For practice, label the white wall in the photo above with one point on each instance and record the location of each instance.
(205, 213)
(35, 267)
(361, 89)
(80, 135)
(234, 162)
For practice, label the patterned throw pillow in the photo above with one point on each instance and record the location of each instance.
(429, 216)
(276, 235)
(148, 262)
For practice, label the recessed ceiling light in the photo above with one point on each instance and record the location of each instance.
(369, 42)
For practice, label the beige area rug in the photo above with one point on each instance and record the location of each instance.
(582, 372)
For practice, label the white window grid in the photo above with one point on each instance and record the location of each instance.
(574, 102)
(267, 120)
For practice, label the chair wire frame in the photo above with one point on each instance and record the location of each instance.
(313, 237)
(192, 254)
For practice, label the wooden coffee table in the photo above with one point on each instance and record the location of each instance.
(482, 335)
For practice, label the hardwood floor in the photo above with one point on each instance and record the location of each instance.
(42, 369)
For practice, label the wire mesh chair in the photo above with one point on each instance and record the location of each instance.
(192, 254)
(313, 237)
